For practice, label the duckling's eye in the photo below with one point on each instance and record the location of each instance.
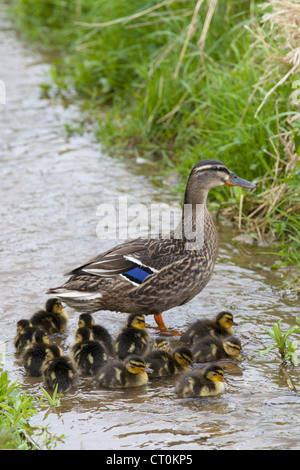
(214, 168)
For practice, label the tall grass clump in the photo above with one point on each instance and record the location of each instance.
(181, 80)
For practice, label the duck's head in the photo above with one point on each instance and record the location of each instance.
(136, 321)
(214, 373)
(136, 365)
(23, 323)
(233, 347)
(207, 174)
(161, 344)
(183, 356)
(225, 320)
(83, 334)
(40, 336)
(52, 351)
(85, 320)
(54, 305)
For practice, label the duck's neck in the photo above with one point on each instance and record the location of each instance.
(191, 226)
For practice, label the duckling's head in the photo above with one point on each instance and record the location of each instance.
(214, 373)
(161, 344)
(136, 321)
(233, 347)
(136, 365)
(21, 324)
(85, 320)
(207, 174)
(54, 305)
(225, 320)
(83, 334)
(52, 351)
(183, 356)
(40, 336)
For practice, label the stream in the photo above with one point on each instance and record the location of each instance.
(51, 186)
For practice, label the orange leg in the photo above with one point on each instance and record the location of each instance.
(162, 327)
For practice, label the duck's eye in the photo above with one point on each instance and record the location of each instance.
(214, 168)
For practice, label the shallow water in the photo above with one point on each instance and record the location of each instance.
(51, 186)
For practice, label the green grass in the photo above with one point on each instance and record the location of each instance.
(17, 408)
(144, 97)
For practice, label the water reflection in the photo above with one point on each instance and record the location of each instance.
(51, 186)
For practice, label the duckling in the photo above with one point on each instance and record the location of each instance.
(211, 349)
(118, 374)
(133, 339)
(222, 325)
(87, 353)
(34, 357)
(30, 335)
(53, 319)
(164, 363)
(100, 333)
(58, 370)
(21, 325)
(201, 383)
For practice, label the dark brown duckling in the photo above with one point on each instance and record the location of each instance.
(30, 335)
(53, 319)
(222, 325)
(88, 354)
(212, 349)
(35, 356)
(201, 382)
(118, 374)
(100, 333)
(164, 363)
(21, 325)
(58, 370)
(133, 338)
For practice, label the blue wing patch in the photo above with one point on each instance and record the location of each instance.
(138, 274)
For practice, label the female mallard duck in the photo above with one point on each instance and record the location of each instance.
(35, 356)
(213, 348)
(151, 275)
(88, 354)
(53, 319)
(164, 363)
(201, 383)
(58, 370)
(221, 326)
(30, 335)
(100, 333)
(133, 338)
(118, 374)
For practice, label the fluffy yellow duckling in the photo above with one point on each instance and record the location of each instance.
(53, 319)
(30, 335)
(164, 363)
(88, 354)
(222, 325)
(201, 383)
(100, 333)
(212, 349)
(134, 338)
(58, 370)
(118, 374)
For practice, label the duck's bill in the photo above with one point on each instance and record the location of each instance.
(235, 180)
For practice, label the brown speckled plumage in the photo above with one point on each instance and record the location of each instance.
(177, 273)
